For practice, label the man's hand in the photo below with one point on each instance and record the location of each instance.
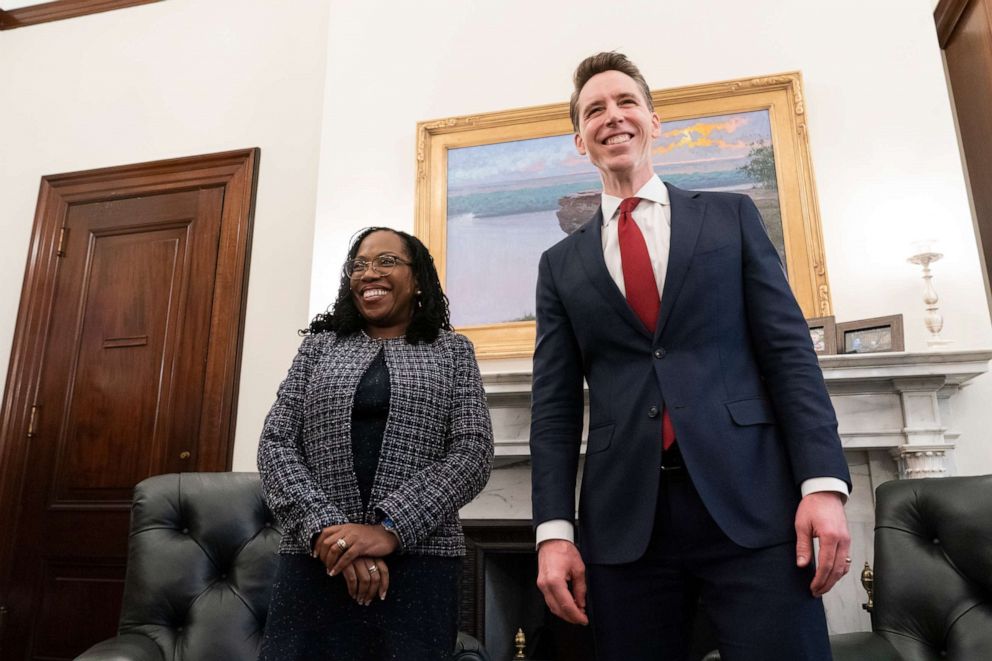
(821, 515)
(558, 562)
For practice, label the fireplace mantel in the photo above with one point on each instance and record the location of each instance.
(900, 402)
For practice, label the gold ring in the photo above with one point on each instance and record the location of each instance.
(343, 545)
(373, 569)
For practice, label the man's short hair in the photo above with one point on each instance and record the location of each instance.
(596, 64)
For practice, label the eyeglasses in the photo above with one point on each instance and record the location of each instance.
(383, 265)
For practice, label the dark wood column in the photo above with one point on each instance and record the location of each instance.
(964, 28)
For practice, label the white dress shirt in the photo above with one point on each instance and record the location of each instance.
(653, 216)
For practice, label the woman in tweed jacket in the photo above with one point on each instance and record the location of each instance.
(378, 435)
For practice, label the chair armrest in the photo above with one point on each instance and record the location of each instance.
(468, 648)
(862, 646)
(859, 646)
(127, 647)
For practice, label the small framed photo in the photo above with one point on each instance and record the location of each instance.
(870, 335)
(823, 332)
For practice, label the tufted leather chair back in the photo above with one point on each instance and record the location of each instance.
(933, 567)
(201, 560)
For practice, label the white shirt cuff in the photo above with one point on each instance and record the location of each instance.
(555, 529)
(815, 484)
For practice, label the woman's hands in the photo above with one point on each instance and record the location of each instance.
(356, 551)
(339, 546)
(366, 578)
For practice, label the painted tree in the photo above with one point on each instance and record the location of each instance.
(760, 166)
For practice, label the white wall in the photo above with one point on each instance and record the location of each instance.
(886, 161)
(173, 79)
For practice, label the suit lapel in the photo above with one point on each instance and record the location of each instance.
(590, 246)
(687, 219)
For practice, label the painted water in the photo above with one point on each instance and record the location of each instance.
(503, 198)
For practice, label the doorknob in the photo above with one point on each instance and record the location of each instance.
(184, 454)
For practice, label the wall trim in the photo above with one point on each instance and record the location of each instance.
(946, 16)
(60, 10)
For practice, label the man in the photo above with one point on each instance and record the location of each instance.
(713, 457)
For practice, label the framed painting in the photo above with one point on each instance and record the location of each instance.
(495, 190)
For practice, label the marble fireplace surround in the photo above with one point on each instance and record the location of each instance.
(896, 420)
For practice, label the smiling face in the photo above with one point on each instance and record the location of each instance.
(616, 129)
(384, 301)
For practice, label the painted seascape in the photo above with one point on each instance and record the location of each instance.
(509, 202)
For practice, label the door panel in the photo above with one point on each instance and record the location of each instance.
(114, 392)
(69, 588)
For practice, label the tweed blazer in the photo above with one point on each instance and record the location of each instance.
(437, 448)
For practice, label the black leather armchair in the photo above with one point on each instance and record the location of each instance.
(932, 587)
(201, 560)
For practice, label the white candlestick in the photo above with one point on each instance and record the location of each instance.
(932, 319)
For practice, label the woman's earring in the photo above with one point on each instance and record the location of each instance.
(420, 303)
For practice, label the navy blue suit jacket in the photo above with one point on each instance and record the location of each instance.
(731, 358)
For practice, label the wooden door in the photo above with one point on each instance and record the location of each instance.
(136, 335)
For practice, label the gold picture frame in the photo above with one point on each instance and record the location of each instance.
(780, 96)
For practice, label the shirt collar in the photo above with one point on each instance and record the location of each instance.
(654, 190)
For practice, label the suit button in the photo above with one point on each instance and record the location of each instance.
(653, 412)
(659, 353)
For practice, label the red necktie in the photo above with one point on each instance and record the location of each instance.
(641, 287)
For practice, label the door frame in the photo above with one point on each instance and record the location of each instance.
(237, 173)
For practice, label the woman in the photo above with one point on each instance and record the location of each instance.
(378, 435)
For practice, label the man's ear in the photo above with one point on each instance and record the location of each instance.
(580, 144)
(655, 126)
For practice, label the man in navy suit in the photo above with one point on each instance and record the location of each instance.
(713, 458)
